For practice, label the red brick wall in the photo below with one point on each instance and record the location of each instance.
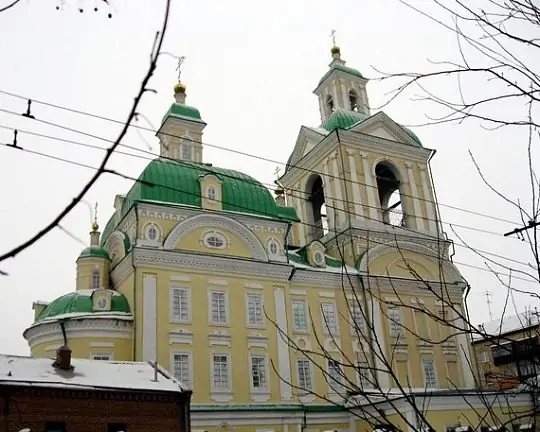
(87, 412)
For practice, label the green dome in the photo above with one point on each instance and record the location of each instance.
(94, 252)
(342, 119)
(80, 302)
(178, 182)
(342, 68)
(183, 111)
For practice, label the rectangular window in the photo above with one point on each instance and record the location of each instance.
(180, 307)
(218, 307)
(304, 374)
(329, 318)
(357, 318)
(95, 280)
(258, 372)
(255, 309)
(430, 375)
(334, 374)
(181, 367)
(101, 356)
(394, 321)
(55, 427)
(365, 375)
(116, 427)
(300, 315)
(220, 372)
(483, 357)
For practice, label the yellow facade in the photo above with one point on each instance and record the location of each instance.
(274, 313)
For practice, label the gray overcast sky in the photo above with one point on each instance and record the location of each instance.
(250, 69)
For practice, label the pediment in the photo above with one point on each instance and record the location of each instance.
(382, 126)
(307, 140)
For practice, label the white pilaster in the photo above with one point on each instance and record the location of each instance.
(382, 376)
(370, 188)
(464, 353)
(418, 214)
(149, 321)
(284, 361)
(430, 205)
(330, 203)
(358, 209)
(335, 94)
(340, 215)
(321, 107)
(345, 95)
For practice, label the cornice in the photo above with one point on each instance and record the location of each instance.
(324, 279)
(122, 271)
(78, 329)
(211, 264)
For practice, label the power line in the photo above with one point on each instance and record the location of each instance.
(148, 129)
(152, 184)
(209, 170)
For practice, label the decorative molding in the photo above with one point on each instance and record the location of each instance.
(101, 344)
(219, 338)
(327, 294)
(257, 340)
(296, 292)
(220, 282)
(180, 336)
(180, 278)
(211, 264)
(216, 221)
(253, 285)
(121, 272)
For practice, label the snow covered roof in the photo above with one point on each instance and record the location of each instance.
(86, 375)
(507, 325)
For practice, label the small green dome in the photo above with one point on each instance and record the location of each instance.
(183, 111)
(342, 119)
(342, 68)
(94, 252)
(80, 302)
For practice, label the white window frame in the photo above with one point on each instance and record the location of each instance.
(185, 143)
(218, 235)
(229, 373)
(309, 369)
(249, 322)
(211, 193)
(273, 242)
(306, 315)
(264, 358)
(395, 326)
(210, 315)
(189, 355)
(432, 362)
(334, 386)
(357, 326)
(326, 320)
(172, 317)
(362, 379)
(107, 356)
(96, 277)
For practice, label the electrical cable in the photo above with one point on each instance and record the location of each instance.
(80, 112)
(151, 184)
(255, 182)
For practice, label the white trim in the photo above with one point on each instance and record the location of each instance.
(358, 209)
(180, 278)
(207, 235)
(253, 285)
(382, 376)
(218, 222)
(101, 345)
(306, 314)
(327, 294)
(146, 240)
(295, 292)
(261, 394)
(227, 312)
(311, 377)
(190, 366)
(324, 323)
(418, 214)
(178, 319)
(370, 188)
(180, 336)
(149, 312)
(428, 202)
(284, 362)
(220, 282)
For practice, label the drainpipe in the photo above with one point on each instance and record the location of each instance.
(134, 312)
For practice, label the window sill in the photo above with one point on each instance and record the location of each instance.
(221, 396)
(260, 396)
(214, 324)
(304, 332)
(178, 321)
(256, 326)
(307, 399)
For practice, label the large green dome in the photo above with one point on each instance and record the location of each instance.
(80, 303)
(342, 119)
(169, 181)
(94, 252)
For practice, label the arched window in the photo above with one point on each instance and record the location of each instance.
(95, 280)
(186, 149)
(388, 185)
(353, 100)
(152, 233)
(329, 104)
(211, 193)
(273, 247)
(316, 207)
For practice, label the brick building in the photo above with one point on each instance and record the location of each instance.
(65, 395)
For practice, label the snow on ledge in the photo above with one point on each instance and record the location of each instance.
(86, 374)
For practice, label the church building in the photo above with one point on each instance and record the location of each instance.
(279, 308)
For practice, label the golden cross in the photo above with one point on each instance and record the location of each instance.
(179, 66)
(95, 212)
(333, 35)
(277, 171)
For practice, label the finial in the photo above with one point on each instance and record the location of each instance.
(95, 225)
(180, 87)
(336, 52)
(181, 60)
(277, 171)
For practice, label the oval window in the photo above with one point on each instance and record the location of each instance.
(152, 233)
(214, 240)
(273, 247)
(211, 193)
(318, 257)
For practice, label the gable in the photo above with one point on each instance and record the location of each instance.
(306, 141)
(382, 126)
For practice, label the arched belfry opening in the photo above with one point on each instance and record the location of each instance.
(388, 185)
(353, 100)
(330, 106)
(318, 226)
